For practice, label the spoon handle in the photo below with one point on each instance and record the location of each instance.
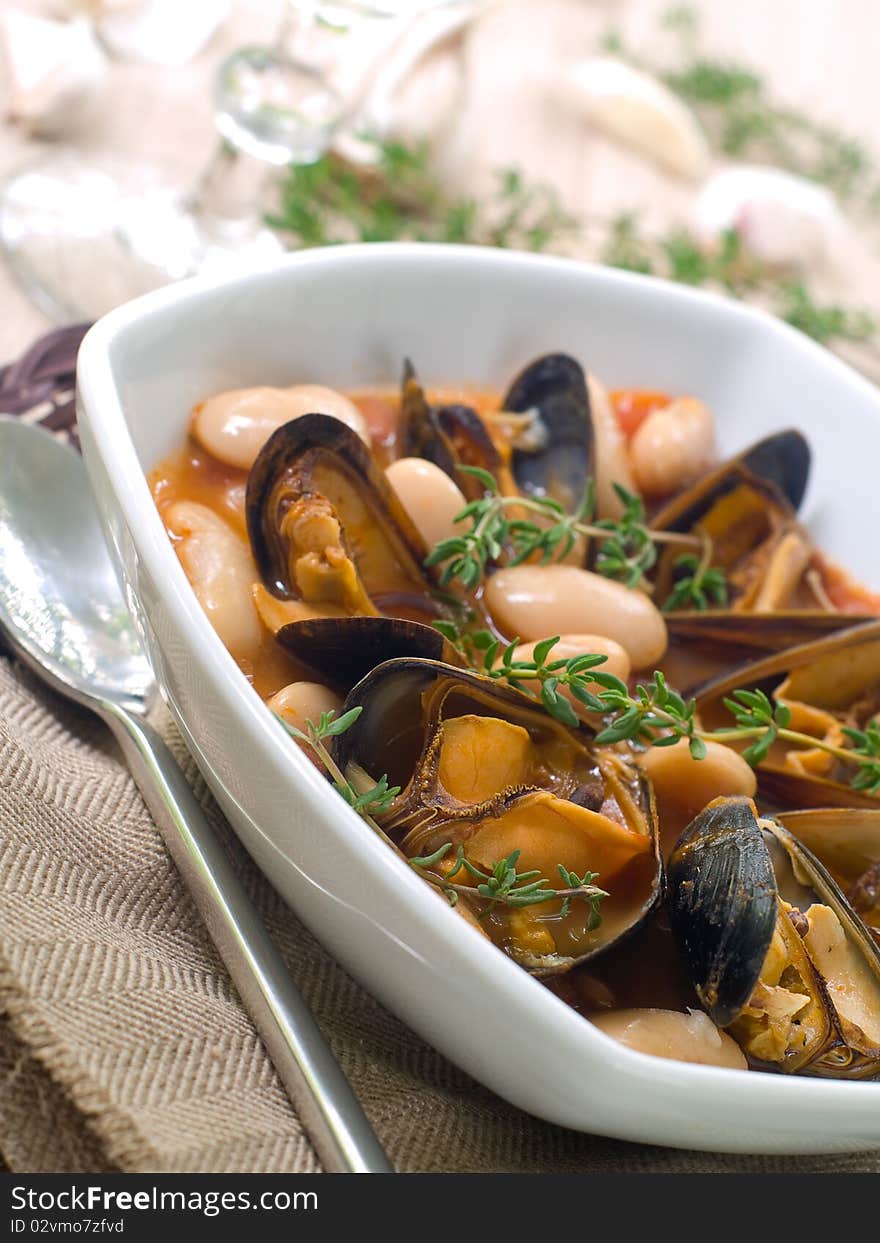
(329, 1111)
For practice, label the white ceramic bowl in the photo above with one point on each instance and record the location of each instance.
(347, 317)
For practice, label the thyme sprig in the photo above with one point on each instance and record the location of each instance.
(486, 654)
(628, 548)
(866, 742)
(330, 201)
(401, 197)
(654, 714)
(700, 586)
(503, 885)
(658, 716)
(367, 803)
(758, 718)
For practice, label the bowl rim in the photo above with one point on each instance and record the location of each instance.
(839, 1103)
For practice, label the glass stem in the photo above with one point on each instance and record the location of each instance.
(225, 198)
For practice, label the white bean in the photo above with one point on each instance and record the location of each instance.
(609, 446)
(570, 645)
(429, 496)
(672, 447)
(691, 1037)
(300, 702)
(221, 570)
(532, 601)
(234, 426)
(690, 784)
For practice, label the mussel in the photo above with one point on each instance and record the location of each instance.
(781, 460)
(343, 581)
(485, 770)
(450, 436)
(829, 685)
(774, 950)
(540, 443)
(747, 507)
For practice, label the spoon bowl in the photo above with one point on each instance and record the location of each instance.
(60, 600)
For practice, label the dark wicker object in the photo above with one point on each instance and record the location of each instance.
(39, 386)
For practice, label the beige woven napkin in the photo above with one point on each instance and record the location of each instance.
(123, 1045)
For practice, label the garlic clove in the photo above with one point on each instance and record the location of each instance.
(55, 71)
(160, 32)
(782, 219)
(640, 111)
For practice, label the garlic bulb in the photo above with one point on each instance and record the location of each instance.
(782, 219)
(160, 32)
(415, 53)
(640, 111)
(55, 71)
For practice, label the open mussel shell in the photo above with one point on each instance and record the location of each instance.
(828, 684)
(450, 436)
(846, 840)
(403, 700)
(483, 768)
(745, 507)
(559, 459)
(781, 461)
(774, 950)
(319, 456)
(776, 598)
(341, 562)
(417, 434)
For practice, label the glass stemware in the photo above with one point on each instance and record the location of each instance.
(83, 235)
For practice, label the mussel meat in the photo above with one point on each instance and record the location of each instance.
(487, 771)
(775, 952)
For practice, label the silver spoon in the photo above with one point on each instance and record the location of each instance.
(63, 613)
